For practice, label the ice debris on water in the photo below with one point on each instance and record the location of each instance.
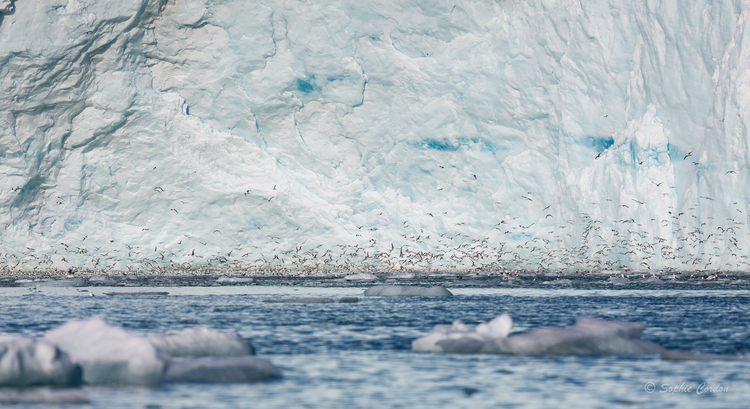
(400, 291)
(28, 362)
(361, 277)
(302, 300)
(109, 354)
(588, 336)
(226, 279)
(93, 352)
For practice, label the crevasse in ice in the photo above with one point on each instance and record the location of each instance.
(386, 135)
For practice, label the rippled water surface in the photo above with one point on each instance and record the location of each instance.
(359, 354)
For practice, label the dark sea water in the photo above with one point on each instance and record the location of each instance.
(359, 354)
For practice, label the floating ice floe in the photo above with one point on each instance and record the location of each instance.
(224, 370)
(94, 352)
(100, 279)
(563, 281)
(402, 275)
(201, 342)
(226, 279)
(398, 291)
(28, 362)
(361, 277)
(109, 354)
(588, 336)
(66, 282)
(303, 300)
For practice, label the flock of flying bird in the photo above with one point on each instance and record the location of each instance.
(580, 244)
(688, 242)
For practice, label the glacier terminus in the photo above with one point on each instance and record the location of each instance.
(298, 136)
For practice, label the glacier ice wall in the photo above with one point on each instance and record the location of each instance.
(450, 135)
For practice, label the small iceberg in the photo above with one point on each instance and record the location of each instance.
(227, 279)
(563, 281)
(28, 362)
(303, 300)
(66, 282)
(110, 355)
(401, 291)
(95, 353)
(402, 275)
(618, 280)
(102, 279)
(361, 277)
(588, 336)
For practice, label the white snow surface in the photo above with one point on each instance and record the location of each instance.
(292, 136)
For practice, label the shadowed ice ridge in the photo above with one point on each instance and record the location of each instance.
(588, 336)
(97, 353)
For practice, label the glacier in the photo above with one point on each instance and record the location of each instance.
(296, 136)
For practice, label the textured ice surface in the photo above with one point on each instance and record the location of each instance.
(222, 370)
(588, 336)
(448, 135)
(31, 362)
(398, 290)
(201, 342)
(109, 354)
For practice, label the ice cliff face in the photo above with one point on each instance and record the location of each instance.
(348, 135)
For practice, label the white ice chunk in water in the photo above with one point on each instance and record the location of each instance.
(402, 275)
(31, 362)
(226, 279)
(102, 280)
(68, 282)
(398, 291)
(223, 370)
(201, 342)
(361, 277)
(587, 336)
(303, 300)
(109, 354)
(497, 328)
